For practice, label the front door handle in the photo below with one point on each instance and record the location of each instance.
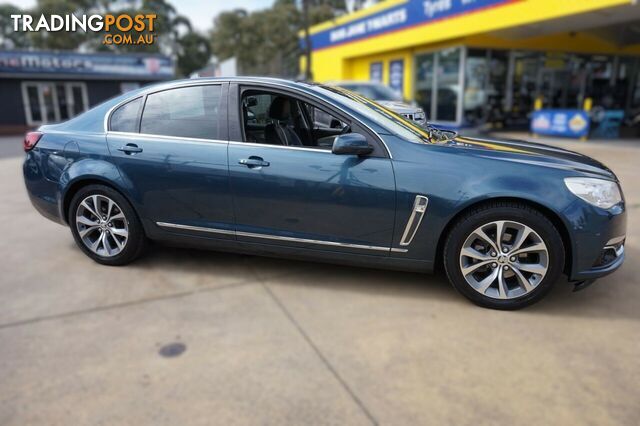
(130, 148)
(253, 162)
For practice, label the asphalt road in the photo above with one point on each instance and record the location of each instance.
(195, 337)
(10, 146)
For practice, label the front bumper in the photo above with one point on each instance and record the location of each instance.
(598, 238)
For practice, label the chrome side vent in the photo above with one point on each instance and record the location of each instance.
(419, 208)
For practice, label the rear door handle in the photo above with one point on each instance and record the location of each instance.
(254, 162)
(130, 148)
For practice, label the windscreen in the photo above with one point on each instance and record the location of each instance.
(377, 92)
(395, 123)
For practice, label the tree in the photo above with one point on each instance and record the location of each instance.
(266, 42)
(10, 39)
(193, 53)
(229, 34)
(61, 40)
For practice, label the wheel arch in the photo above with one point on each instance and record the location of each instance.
(75, 186)
(553, 217)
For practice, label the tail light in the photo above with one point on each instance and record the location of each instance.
(30, 140)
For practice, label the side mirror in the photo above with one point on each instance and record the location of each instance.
(351, 144)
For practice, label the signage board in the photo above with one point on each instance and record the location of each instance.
(572, 123)
(139, 67)
(407, 14)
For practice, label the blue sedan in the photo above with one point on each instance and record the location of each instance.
(299, 170)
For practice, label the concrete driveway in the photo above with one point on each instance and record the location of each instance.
(195, 337)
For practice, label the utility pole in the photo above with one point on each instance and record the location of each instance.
(307, 40)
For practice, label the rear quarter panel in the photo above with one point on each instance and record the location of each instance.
(60, 161)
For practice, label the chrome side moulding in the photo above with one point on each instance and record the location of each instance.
(277, 237)
(419, 208)
(195, 228)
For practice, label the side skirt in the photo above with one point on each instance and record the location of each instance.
(294, 253)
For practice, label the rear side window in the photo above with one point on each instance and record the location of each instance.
(125, 118)
(190, 112)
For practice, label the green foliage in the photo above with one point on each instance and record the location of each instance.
(193, 54)
(60, 40)
(266, 42)
(10, 39)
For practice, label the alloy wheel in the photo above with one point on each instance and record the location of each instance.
(504, 259)
(102, 225)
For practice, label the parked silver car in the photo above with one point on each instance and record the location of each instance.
(386, 97)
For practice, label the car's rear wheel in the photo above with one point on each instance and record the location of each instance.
(504, 255)
(105, 226)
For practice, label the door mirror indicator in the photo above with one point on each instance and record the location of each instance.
(351, 144)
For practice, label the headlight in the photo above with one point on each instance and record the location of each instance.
(599, 192)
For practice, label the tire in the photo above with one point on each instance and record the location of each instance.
(124, 239)
(509, 280)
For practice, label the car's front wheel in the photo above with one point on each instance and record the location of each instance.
(105, 226)
(504, 255)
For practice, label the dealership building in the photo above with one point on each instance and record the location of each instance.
(473, 62)
(41, 87)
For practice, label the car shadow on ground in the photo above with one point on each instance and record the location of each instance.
(610, 297)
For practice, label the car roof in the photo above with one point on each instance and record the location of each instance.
(360, 83)
(243, 79)
(300, 85)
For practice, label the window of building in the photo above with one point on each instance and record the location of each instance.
(448, 83)
(189, 112)
(484, 86)
(437, 84)
(424, 83)
(50, 102)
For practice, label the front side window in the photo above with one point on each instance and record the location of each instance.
(189, 112)
(125, 118)
(394, 122)
(278, 119)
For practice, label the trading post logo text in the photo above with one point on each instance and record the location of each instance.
(123, 29)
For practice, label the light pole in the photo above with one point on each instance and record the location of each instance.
(307, 40)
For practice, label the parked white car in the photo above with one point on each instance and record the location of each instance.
(386, 97)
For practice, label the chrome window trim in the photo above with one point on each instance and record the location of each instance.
(134, 135)
(152, 90)
(179, 138)
(420, 204)
(265, 145)
(279, 238)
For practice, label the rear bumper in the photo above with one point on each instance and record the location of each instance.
(42, 192)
